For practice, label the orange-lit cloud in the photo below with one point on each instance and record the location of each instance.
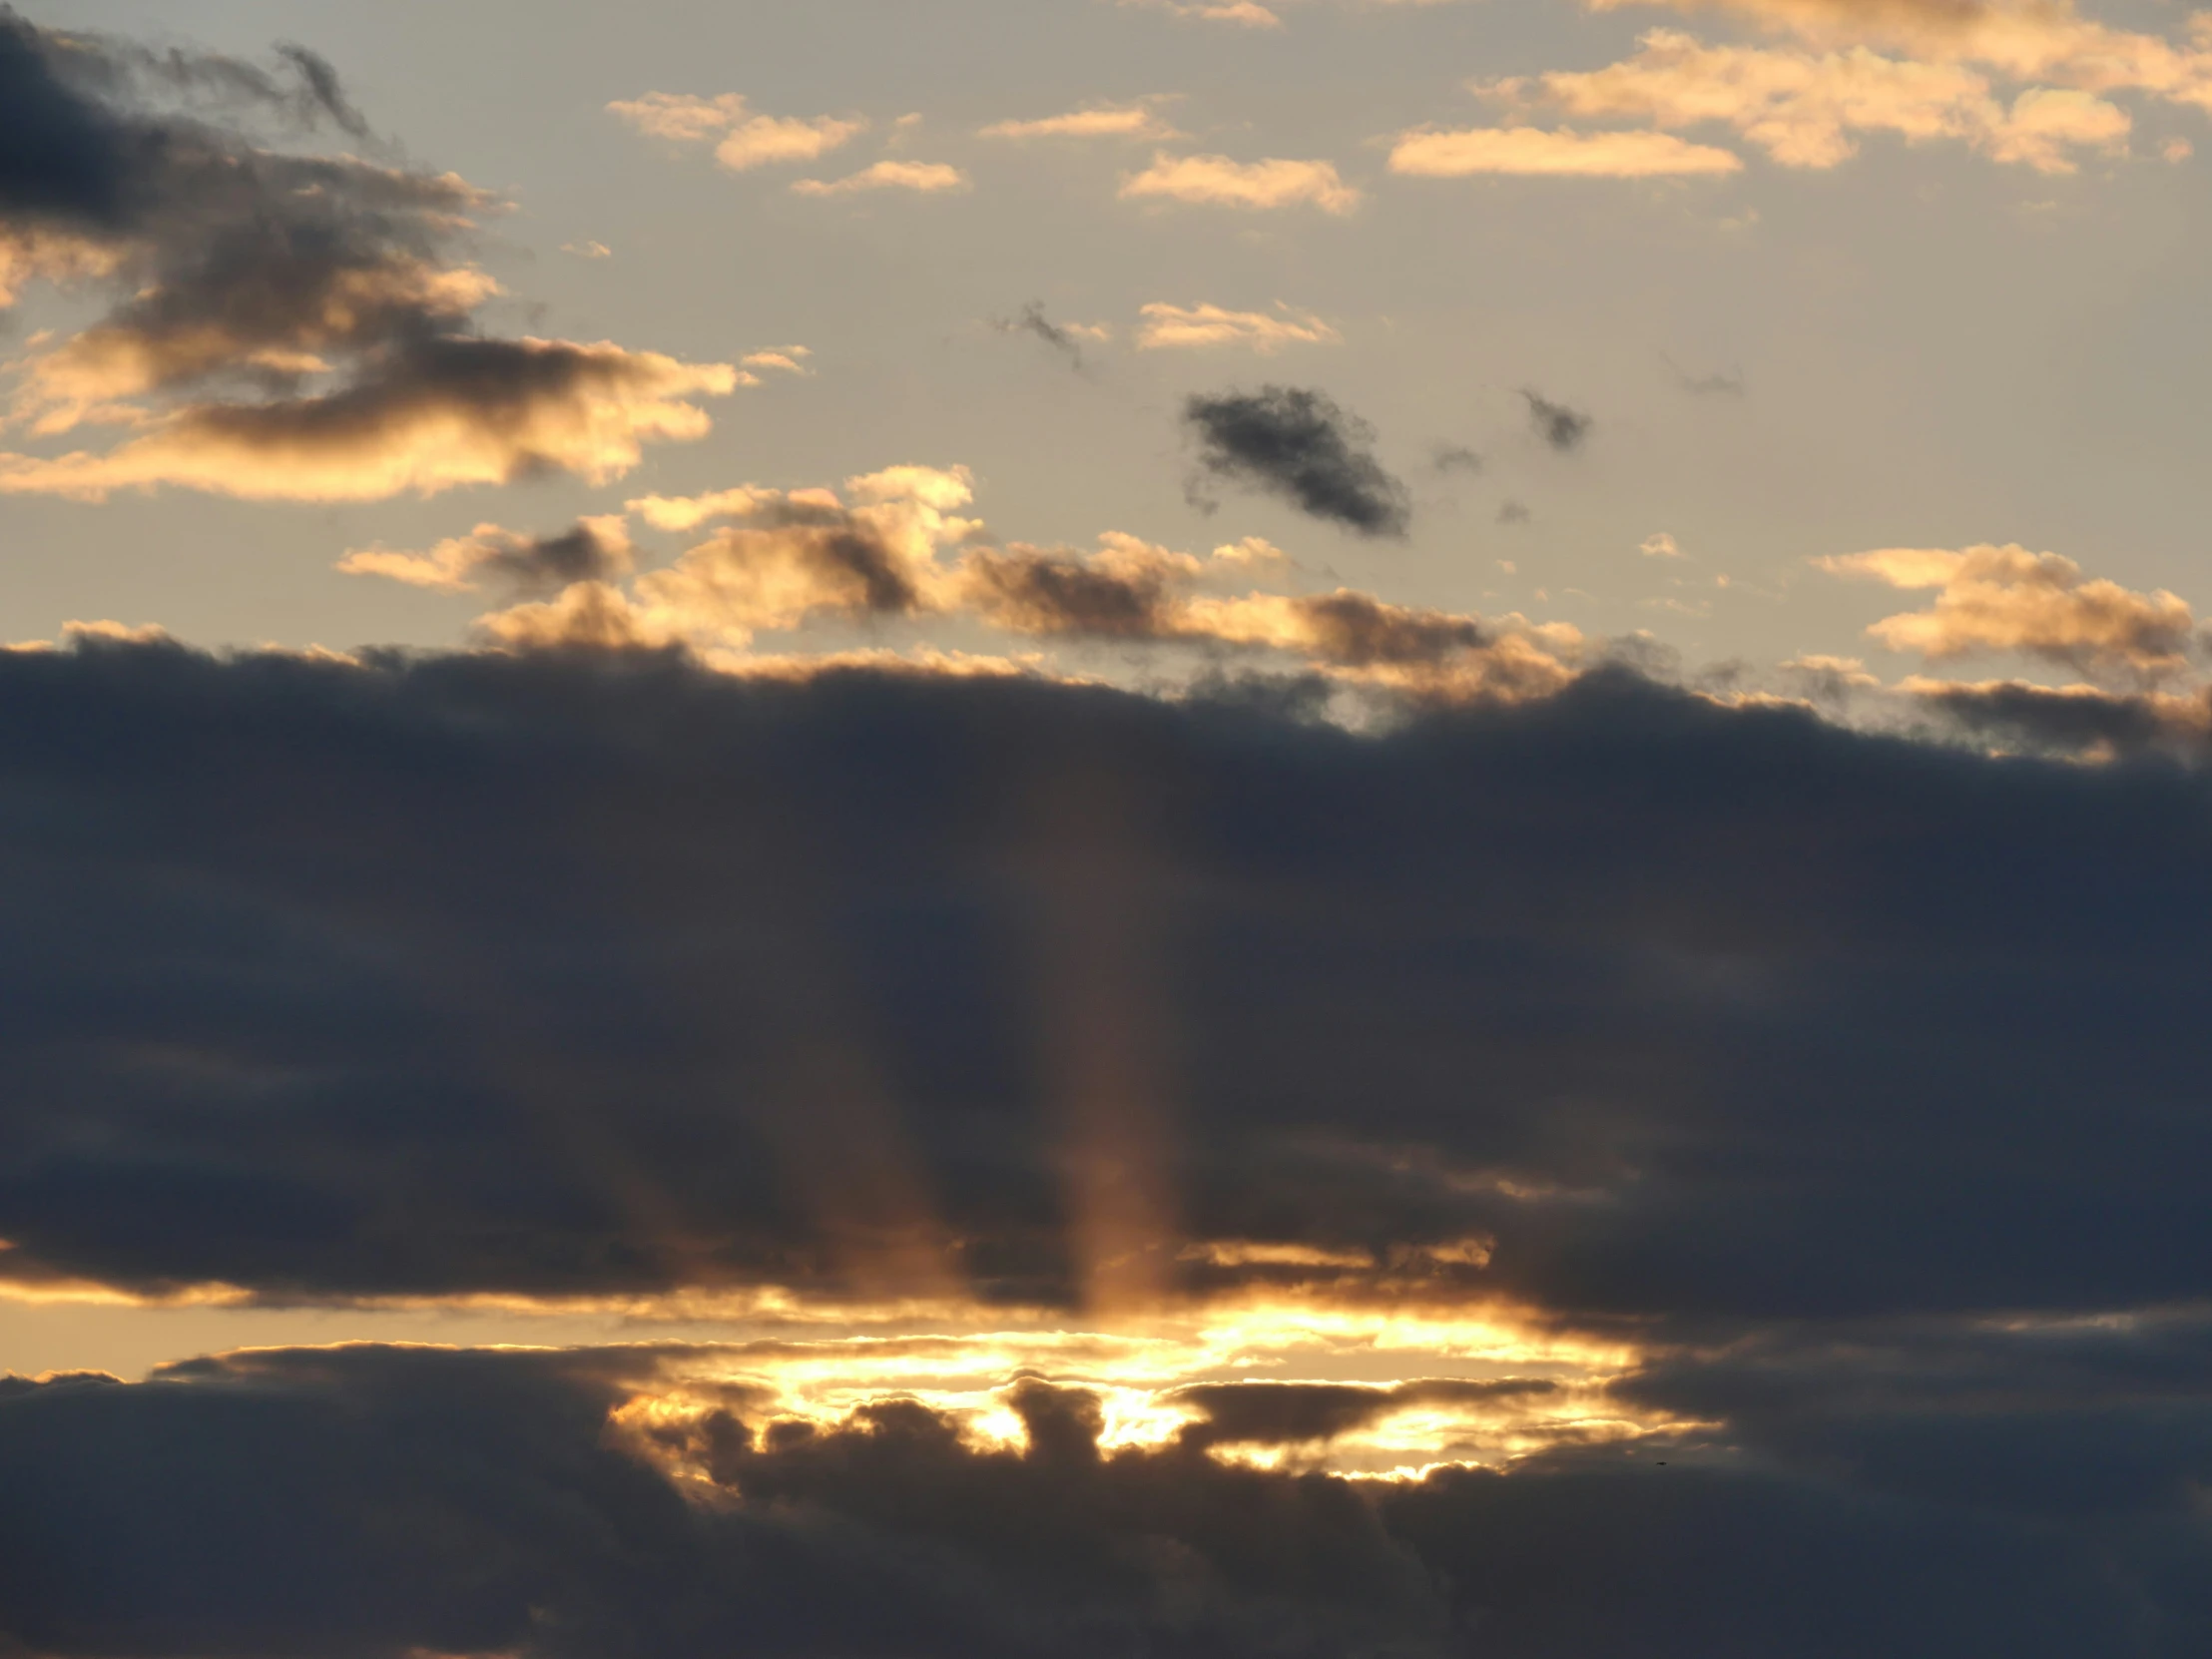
(742, 141)
(429, 417)
(1536, 152)
(1994, 599)
(1167, 327)
(1808, 110)
(1216, 181)
(927, 178)
(1122, 121)
(596, 549)
(1249, 13)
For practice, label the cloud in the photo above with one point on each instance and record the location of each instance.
(2050, 43)
(927, 178)
(594, 550)
(588, 249)
(1167, 327)
(1563, 428)
(1065, 339)
(1124, 121)
(1808, 110)
(1431, 153)
(286, 325)
(1300, 444)
(608, 917)
(1455, 458)
(428, 415)
(2086, 720)
(741, 141)
(1659, 546)
(1216, 181)
(1247, 14)
(1998, 599)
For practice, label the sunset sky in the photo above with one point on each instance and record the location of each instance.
(1104, 827)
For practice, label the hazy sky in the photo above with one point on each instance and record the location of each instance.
(1886, 305)
(1104, 830)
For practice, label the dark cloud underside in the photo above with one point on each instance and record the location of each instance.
(573, 975)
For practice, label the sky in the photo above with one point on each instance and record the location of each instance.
(1116, 828)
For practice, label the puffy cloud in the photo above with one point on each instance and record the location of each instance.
(1167, 327)
(289, 325)
(1429, 153)
(1300, 444)
(1808, 110)
(1994, 599)
(1125, 121)
(741, 141)
(1216, 181)
(594, 550)
(1659, 546)
(927, 178)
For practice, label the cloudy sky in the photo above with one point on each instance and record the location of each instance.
(1119, 827)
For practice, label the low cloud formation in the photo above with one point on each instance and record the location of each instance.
(1563, 427)
(2006, 599)
(1167, 328)
(741, 141)
(1216, 181)
(1122, 121)
(594, 550)
(286, 326)
(924, 178)
(1298, 444)
(1533, 151)
(2085, 720)
(1806, 109)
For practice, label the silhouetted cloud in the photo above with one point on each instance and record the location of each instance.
(1032, 320)
(1301, 446)
(286, 325)
(378, 1502)
(1563, 427)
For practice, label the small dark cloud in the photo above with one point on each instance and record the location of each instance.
(1035, 592)
(1031, 320)
(1560, 427)
(1302, 445)
(1295, 1413)
(1455, 458)
(1512, 512)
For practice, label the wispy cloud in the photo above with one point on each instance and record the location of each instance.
(925, 177)
(1216, 181)
(742, 141)
(1532, 152)
(1167, 327)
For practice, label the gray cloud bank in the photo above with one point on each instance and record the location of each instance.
(565, 975)
(366, 1502)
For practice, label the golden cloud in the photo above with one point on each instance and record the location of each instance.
(1216, 181)
(1167, 327)
(1533, 151)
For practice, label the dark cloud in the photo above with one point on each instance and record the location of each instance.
(1455, 458)
(1298, 444)
(368, 1504)
(2077, 719)
(311, 307)
(1036, 591)
(546, 564)
(1558, 425)
(1031, 320)
(1512, 512)
(584, 974)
